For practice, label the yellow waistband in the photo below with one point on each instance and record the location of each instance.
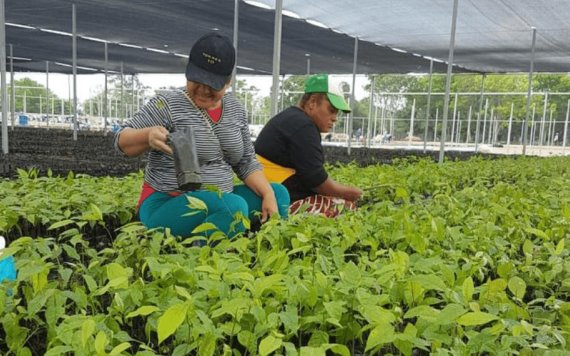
(274, 172)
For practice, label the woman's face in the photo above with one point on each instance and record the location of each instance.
(323, 114)
(204, 96)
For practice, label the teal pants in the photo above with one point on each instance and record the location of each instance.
(163, 210)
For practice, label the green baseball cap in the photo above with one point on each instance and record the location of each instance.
(321, 83)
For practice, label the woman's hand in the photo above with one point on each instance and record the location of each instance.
(257, 182)
(352, 193)
(268, 206)
(134, 142)
(157, 137)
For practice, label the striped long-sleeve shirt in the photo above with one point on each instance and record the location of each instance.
(222, 148)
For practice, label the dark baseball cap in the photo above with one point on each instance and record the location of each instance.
(211, 60)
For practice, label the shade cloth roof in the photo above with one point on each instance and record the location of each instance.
(173, 26)
(491, 35)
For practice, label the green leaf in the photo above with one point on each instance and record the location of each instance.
(528, 247)
(381, 334)
(312, 351)
(171, 320)
(422, 311)
(183, 292)
(377, 315)
(118, 275)
(91, 284)
(269, 344)
(468, 289)
(450, 313)
(71, 252)
(248, 340)
(339, 349)
(517, 286)
(334, 309)
(559, 247)
(476, 318)
(290, 319)
(537, 232)
(117, 350)
(196, 204)
(143, 311)
(87, 330)
(100, 343)
(207, 345)
(430, 281)
(58, 351)
(60, 224)
(204, 227)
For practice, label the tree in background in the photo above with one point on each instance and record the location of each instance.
(123, 100)
(395, 95)
(292, 91)
(247, 95)
(31, 97)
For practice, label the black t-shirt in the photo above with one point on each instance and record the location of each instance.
(292, 140)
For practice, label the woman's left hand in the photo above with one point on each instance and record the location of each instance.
(257, 182)
(268, 206)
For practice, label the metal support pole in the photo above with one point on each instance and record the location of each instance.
(121, 107)
(435, 125)
(532, 127)
(383, 120)
(454, 118)
(510, 124)
(3, 78)
(448, 81)
(352, 98)
(479, 113)
(458, 127)
(468, 134)
(132, 96)
(543, 120)
(484, 133)
(370, 107)
(47, 93)
(308, 55)
(374, 132)
(550, 130)
(428, 106)
(235, 39)
(13, 99)
(529, 93)
(105, 98)
(490, 132)
(282, 92)
(566, 126)
(411, 132)
(74, 66)
(276, 56)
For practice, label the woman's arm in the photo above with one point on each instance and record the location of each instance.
(257, 182)
(134, 142)
(334, 189)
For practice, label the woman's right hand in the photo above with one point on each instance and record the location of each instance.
(134, 142)
(157, 139)
(352, 193)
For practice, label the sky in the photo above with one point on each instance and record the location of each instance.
(90, 84)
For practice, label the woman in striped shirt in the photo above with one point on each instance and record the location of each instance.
(222, 143)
